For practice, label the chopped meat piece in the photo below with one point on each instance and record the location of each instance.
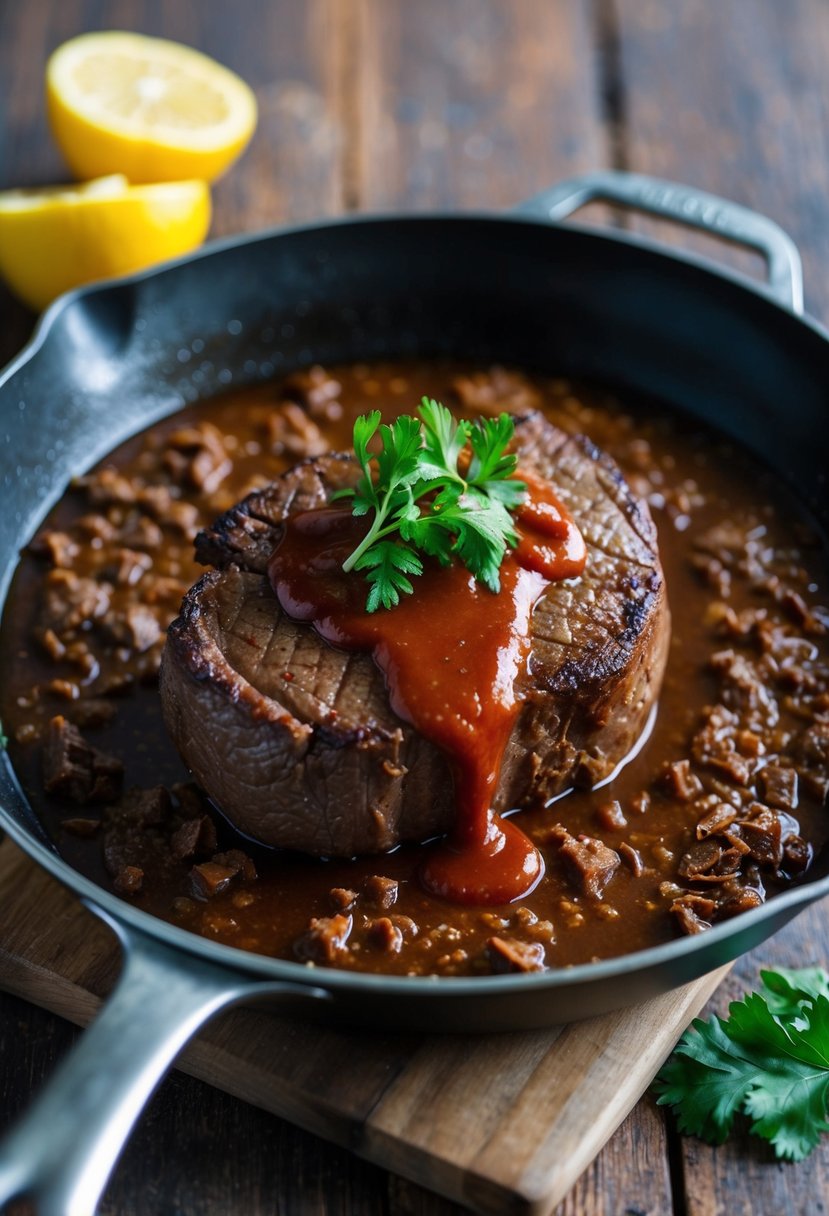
(385, 935)
(194, 837)
(590, 862)
(762, 832)
(81, 827)
(316, 390)
(136, 834)
(681, 782)
(750, 744)
(611, 816)
(210, 878)
(707, 861)
(130, 566)
(720, 726)
(742, 901)
(160, 503)
(745, 688)
(714, 574)
(797, 855)
(813, 745)
(67, 689)
(342, 899)
(380, 891)
(75, 769)
(717, 819)
(632, 859)
(725, 540)
(136, 627)
(694, 912)
(732, 766)
(71, 601)
(292, 432)
(495, 391)
(324, 941)
(163, 589)
(52, 644)
(778, 787)
(96, 527)
(129, 880)
(734, 837)
(796, 608)
(197, 457)
(511, 956)
(59, 547)
(239, 862)
(641, 802)
(184, 516)
(106, 486)
(700, 859)
(139, 532)
(405, 924)
(142, 808)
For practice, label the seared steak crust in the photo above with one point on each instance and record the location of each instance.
(296, 741)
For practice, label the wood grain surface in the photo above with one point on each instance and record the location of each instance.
(504, 1123)
(375, 104)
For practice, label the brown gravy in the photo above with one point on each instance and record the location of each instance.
(83, 631)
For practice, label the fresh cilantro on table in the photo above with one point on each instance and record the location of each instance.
(768, 1060)
(438, 486)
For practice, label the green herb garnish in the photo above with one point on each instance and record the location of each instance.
(422, 502)
(769, 1060)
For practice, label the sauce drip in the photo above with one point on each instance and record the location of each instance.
(451, 655)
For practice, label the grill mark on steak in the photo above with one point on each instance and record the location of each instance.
(319, 762)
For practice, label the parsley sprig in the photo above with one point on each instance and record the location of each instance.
(438, 486)
(769, 1060)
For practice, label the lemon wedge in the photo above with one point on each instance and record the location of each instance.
(148, 108)
(56, 238)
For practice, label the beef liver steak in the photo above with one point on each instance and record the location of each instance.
(296, 742)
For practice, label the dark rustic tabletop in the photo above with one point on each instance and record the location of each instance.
(417, 104)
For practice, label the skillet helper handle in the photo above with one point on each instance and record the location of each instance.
(62, 1151)
(688, 206)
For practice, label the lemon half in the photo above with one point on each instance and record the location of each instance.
(148, 108)
(57, 238)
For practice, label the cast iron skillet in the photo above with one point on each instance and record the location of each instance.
(107, 361)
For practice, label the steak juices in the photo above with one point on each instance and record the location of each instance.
(296, 738)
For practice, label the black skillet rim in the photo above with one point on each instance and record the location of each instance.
(121, 915)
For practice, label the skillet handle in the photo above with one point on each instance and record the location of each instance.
(688, 206)
(62, 1151)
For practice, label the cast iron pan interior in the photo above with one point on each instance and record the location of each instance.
(108, 361)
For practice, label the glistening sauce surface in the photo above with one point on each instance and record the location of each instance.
(747, 681)
(451, 654)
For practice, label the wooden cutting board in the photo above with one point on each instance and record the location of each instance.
(503, 1123)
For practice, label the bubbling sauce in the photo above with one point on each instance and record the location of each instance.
(451, 654)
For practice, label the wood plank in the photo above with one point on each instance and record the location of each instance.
(734, 98)
(474, 104)
(292, 56)
(503, 1123)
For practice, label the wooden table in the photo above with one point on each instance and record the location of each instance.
(416, 104)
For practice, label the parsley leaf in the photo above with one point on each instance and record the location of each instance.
(438, 485)
(769, 1060)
